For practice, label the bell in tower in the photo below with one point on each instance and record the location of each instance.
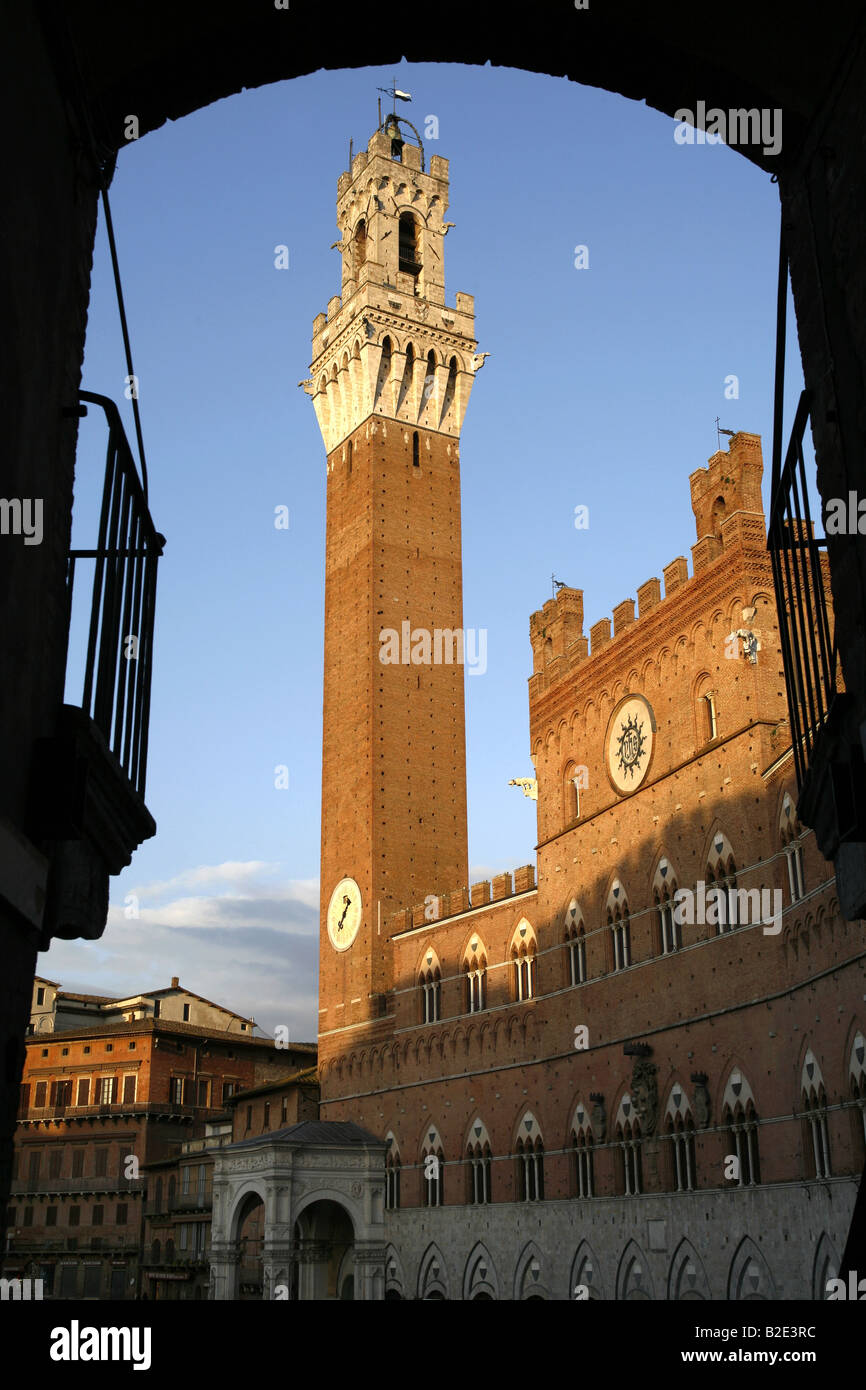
(392, 130)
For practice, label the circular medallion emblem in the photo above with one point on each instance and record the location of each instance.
(630, 738)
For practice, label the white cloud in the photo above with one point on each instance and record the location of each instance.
(250, 943)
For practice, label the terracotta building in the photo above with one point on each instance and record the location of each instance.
(101, 1099)
(643, 1075)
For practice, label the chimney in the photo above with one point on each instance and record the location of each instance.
(174, 982)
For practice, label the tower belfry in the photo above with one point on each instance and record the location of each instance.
(392, 370)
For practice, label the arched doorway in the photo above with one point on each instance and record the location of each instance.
(325, 1242)
(250, 1239)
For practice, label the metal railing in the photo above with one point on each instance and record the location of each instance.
(801, 581)
(119, 663)
(44, 1186)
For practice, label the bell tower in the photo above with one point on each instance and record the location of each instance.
(392, 370)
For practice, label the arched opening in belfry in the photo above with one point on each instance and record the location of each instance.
(408, 251)
(359, 247)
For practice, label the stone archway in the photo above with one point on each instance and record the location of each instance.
(325, 1244)
(249, 1237)
(73, 81)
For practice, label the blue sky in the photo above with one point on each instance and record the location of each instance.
(601, 390)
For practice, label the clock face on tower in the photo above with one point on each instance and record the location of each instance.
(630, 739)
(344, 914)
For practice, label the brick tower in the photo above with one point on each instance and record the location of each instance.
(391, 374)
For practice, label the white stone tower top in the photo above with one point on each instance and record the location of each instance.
(389, 345)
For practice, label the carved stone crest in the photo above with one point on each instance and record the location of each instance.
(644, 1093)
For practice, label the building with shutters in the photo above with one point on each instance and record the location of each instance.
(109, 1087)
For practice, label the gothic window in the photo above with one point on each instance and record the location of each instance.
(817, 1139)
(433, 1169)
(670, 932)
(430, 983)
(629, 1167)
(621, 935)
(791, 830)
(583, 1166)
(523, 961)
(718, 517)
(475, 971)
(392, 1175)
(721, 875)
(530, 1161)
(479, 1158)
(680, 1132)
(575, 943)
(740, 1118)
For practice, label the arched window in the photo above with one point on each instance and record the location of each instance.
(529, 1152)
(722, 904)
(628, 1137)
(669, 929)
(740, 1118)
(523, 962)
(475, 970)
(680, 1132)
(392, 1175)
(433, 1169)
(618, 921)
(479, 1157)
(409, 256)
(817, 1145)
(575, 944)
(583, 1155)
(790, 831)
(416, 459)
(572, 783)
(430, 985)
(719, 508)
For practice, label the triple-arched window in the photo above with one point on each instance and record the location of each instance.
(430, 985)
(523, 961)
(475, 972)
(790, 831)
(575, 941)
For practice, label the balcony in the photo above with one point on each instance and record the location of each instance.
(167, 1109)
(45, 1186)
(830, 771)
(88, 780)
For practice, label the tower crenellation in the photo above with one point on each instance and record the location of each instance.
(728, 509)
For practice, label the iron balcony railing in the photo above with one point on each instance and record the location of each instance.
(44, 1186)
(801, 582)
(119, 663)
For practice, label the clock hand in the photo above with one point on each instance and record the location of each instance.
(348, 901)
